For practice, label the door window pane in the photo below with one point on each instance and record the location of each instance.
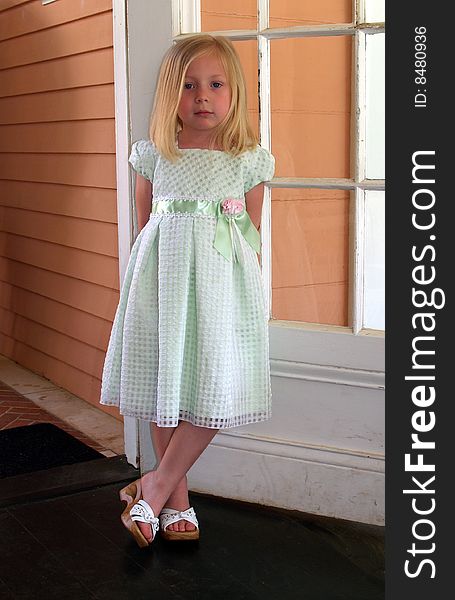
(374, 11)
(375, 107)
(310, 255)
(219, 15)
(311, 106)
(373, 299)
(289, 13)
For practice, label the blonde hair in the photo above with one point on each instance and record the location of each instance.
(234, 133)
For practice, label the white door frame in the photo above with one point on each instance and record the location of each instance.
(134, 88)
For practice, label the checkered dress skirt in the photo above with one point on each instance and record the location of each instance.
(189, 340)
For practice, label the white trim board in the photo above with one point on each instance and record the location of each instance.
(135, 73)
(298, 483)
(327, 374)
(336, 347)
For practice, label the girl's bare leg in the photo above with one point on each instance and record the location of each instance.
(185, 446)
(178, 499)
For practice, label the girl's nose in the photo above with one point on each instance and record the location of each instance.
(201, 94)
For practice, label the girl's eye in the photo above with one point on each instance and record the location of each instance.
(188, 85)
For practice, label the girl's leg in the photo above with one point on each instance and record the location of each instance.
(178, 499)
(185, 446)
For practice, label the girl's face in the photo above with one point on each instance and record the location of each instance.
(205, 97)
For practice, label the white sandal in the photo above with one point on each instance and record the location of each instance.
(139, 511)
(170, 515)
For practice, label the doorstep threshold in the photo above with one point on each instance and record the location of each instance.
(64, 480)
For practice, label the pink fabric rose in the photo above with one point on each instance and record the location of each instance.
(231, 206)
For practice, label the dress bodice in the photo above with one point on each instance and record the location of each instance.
(201, 174)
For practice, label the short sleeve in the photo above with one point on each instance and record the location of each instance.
(143, 158)
(260, 167)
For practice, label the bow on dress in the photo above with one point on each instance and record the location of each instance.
(231, 213)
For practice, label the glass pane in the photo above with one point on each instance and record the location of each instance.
(289, 13)
(311, 106)
(219, 15)
(374, 11)
(310, 255)
(373, 298)
(375, 107)
(248, 53)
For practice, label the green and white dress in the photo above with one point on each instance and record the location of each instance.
(189, 339)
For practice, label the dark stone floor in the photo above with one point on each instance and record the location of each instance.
(61, 537)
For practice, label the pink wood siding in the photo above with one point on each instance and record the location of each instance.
(59, 283)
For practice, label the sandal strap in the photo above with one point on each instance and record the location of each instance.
(170, 515)
(143, 512)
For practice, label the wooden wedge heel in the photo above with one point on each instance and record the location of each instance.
(137, 509)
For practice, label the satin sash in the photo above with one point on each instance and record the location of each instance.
(224, 238)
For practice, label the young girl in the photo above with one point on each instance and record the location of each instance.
(188, 350)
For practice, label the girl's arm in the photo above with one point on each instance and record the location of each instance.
(253, 200)
(144, 193)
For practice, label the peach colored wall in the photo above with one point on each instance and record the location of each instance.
(59, 283)
(311, 120)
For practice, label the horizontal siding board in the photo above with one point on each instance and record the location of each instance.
(49, 341)
(90, 236)
(33, 16)
(95, 136)
(72, 262)
(5, 4)
(66, 376)
(90, 68)
(83, 295)
(67, 320)
(93, 170)
(95, 102)
(97, 204)
(92, 33)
